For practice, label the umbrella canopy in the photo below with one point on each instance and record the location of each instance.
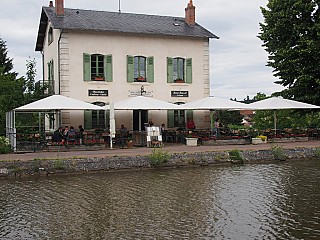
(275, 103)
(214, 103)
(58, 102)
(144, 103)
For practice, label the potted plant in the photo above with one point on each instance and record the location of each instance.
(191, 140)
(99, 78)
(179, 80)
(141, 78)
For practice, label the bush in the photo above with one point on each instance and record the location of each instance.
(5, 146)
(158, 157)
(235, 155)
(277, 152)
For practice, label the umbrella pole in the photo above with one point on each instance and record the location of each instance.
(140, 120)
(275, 122)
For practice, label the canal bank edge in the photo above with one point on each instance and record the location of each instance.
(17, 168)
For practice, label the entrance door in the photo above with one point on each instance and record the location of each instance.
(144, 119)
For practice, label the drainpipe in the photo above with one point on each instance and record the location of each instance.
(59, 77)
(42, 58)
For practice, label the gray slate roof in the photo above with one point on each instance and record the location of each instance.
(89, 20)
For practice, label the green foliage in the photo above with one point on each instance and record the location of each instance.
(286, 118)
(5, 61)
(227, 118)
(291, 35)
(277, 152)
(5, 146)
(159, 157)
(317, 152)
(59, 165)
(236, 155)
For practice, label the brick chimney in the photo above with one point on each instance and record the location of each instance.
(59, 8)
(51, 4)
(190, 14)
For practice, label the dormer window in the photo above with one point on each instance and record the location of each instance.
(50, 35)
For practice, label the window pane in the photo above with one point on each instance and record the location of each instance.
(178, 68)
(139, 67)
(97, 65)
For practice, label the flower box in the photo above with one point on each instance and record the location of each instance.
(191, 142)
(179, 81)
(141, 79)
(99, 78)
(257, 141)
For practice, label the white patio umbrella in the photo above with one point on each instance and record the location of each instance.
(214, 103)
(144, 103)
(275, 103)
(58, 102)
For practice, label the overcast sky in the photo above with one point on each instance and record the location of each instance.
(237, 59)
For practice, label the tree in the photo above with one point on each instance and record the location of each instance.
(291, 35)
(5, 61)
(11, 91)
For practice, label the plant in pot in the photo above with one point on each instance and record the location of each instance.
(99, 78)
(179, 80)
(141, 78)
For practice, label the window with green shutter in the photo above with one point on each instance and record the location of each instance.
(140, 69)
(96, 119)
(176, 118)
(179, 70)
(97, 67)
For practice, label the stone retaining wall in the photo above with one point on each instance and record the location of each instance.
(53, 166)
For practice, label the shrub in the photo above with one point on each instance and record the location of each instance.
(235, 155)
(317, 152)
(277, 152)
(158, 156)
(5, 146)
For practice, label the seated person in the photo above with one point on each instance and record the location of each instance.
(71, 136)
(58, 135)
(190, 124)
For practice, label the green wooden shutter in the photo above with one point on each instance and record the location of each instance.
(108, 76)
(189, 114)
(150, 70)
(87, 119)
(189, 70)
(107, 118)
(130, 69)
(169, 70)
(86, 67)
(170, 115)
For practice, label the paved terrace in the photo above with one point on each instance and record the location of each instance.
(172, 148)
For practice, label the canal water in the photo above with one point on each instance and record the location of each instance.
(258, 201)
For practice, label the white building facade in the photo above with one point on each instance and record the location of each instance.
(98, 57)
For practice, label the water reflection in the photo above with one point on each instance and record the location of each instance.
(240, 202)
